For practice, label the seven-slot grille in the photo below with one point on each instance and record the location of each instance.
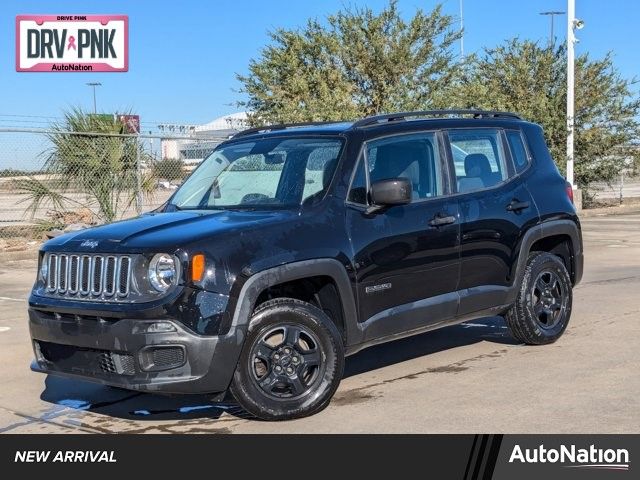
(89, 276)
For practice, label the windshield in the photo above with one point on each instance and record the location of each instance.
(273, 172)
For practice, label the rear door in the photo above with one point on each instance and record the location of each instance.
(495, 208)
(406, 257)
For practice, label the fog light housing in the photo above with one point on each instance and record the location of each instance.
(155, 358)
(155, 327)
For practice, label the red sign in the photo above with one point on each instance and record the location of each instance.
(131, 123)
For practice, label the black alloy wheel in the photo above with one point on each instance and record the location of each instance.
(549, 299)
(542, 309)
(287, 361)
(291, 363)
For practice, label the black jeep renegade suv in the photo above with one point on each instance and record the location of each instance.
(292, 246)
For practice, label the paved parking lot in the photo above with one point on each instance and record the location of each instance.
(467, 378)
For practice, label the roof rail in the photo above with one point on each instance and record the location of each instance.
(279, 126)
(402, 116)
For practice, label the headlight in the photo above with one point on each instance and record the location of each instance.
(44, 267)
(163, 271)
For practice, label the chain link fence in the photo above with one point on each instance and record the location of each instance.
(625, 187)
(53, 181)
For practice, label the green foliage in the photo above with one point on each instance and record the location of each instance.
(169, 169)
(359, 63)
(524, 77)
(102, 168)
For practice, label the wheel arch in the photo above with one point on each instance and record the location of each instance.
(306, 270)
(547, 236)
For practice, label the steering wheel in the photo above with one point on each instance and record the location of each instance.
(255, 198)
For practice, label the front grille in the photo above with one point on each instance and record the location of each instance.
(74, 318)
(69, 357)
(106, 362)
(89, 277)
(116, 363)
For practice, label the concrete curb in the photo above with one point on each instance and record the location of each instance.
(607, 211)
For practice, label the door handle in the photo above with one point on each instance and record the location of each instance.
(516, 205)
(439, 220)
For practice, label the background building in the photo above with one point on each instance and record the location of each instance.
(195, 142)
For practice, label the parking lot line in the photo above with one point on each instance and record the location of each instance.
(9, 299)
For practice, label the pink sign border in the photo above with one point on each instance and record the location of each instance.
(97, 66)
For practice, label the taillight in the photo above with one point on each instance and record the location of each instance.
(569, 191)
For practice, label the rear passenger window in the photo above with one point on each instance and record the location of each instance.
(518, 151)
(478, 158)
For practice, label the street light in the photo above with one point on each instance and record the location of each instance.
(461, 32)
(552, 15)
(94, 85)
(573, 24)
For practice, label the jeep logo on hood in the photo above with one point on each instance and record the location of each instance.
(89, 244)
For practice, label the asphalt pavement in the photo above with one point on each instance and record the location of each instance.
(472, 377)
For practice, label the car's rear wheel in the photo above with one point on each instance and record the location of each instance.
(543, 306)
(291, 363)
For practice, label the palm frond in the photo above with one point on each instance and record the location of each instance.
(38, 193)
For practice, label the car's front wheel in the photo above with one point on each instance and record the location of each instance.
(291, 363)
(543, 306)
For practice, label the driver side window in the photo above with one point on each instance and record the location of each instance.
(415, 157)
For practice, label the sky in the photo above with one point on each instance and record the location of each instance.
(184, 56)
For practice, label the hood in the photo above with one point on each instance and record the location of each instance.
(163, 230)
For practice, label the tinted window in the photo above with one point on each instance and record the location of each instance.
(415, 157)
(518, 151)
(478, 158)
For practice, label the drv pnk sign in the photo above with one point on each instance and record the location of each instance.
(72, 43)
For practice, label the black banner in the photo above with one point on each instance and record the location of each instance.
(465, 457)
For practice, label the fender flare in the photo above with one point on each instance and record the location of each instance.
(328, 267)
(543, 230)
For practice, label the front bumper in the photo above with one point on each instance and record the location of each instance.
(120, 352)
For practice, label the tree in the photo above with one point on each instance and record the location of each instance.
(357, 63)
(169, 169)
(523, 77)
(89, 165)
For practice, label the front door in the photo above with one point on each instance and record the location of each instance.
(405, 258)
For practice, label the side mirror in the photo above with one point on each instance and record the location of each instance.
(387, 193)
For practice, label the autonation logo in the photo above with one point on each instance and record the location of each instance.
(574, 457)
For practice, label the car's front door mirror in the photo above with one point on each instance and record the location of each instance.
(390, 192)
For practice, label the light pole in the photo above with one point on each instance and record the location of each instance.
(552, 15)
(572, 24)
(94, 85)
(461, 32)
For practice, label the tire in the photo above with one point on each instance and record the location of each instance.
(291, 362)
(542, 309)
